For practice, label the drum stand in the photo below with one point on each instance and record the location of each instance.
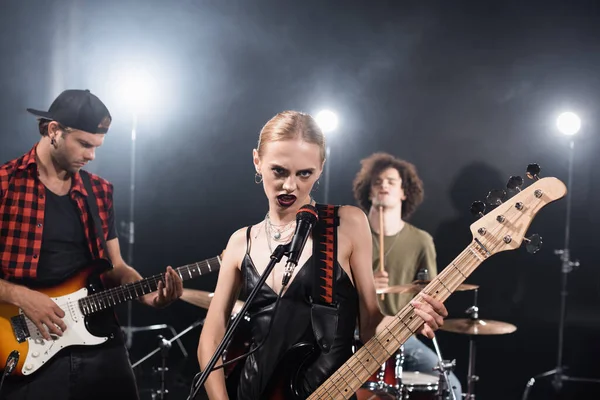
(164, 347)
(445, 391)
(473, 313)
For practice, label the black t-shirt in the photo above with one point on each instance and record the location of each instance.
(64, 247)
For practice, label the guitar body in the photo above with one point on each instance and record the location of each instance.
(88, 313)
(285, 382)
(34, 350)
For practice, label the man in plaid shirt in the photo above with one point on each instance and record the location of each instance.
(47, 235)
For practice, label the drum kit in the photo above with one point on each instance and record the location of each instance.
(392, 381)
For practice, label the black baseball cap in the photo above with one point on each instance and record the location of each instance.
(78, 109)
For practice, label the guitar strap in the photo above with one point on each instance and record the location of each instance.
(93, 210)
(324, 308)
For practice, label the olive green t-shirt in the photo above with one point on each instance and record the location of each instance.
(405, 255)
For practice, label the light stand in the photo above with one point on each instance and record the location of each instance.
(327, 168)
(128, 232)
(567, 267)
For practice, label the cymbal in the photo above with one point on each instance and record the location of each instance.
(417, 286)
(202, 299)
(477, 326)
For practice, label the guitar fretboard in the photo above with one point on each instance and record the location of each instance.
(117, 295)
(369, 358)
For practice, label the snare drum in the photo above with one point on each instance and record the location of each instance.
(419, 386)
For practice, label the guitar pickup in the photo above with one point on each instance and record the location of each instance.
(19, 326)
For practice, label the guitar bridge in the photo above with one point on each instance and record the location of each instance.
(19, 326)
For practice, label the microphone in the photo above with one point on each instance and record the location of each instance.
(306, 218)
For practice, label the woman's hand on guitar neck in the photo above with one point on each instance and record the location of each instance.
(42, 311)
(432, 311)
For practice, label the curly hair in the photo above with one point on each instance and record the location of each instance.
(374, 165)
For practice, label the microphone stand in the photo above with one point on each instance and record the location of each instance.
(279, 252)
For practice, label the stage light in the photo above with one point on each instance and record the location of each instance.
(327, 120)
(568, 123)
(136, 89)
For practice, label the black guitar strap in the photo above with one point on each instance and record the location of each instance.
(324, 311)
(93, 210)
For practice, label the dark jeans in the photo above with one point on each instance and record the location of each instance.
(82, 372)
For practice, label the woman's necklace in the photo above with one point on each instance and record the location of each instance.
(276, 232)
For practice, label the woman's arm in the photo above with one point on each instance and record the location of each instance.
(219, 312)
(355, 225)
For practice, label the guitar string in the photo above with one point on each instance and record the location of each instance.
(400, 318)
(108, 294)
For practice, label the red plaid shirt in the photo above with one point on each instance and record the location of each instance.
(22, 204)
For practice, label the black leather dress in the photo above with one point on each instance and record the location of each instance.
(292, 325)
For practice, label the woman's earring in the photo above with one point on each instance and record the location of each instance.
(53, 142)
(257, 178)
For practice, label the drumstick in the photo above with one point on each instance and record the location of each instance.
(381, 253)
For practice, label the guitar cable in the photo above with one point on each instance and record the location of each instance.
(11, 363)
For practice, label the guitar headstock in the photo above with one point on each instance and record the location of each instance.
(504, 227)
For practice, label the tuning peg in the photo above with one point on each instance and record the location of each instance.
(495, 197)
(534, 243)
(515, 183)
(533, 171)
(478, 208)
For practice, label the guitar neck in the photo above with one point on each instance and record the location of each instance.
(500, 230)
(120, 294)
(369, 358)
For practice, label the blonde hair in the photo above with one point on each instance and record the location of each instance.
(289, 125)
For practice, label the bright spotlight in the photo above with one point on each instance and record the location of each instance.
(327, 120)
(136, 89)
(568, 123)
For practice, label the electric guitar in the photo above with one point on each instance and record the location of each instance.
(82, 299)
(500, 230)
